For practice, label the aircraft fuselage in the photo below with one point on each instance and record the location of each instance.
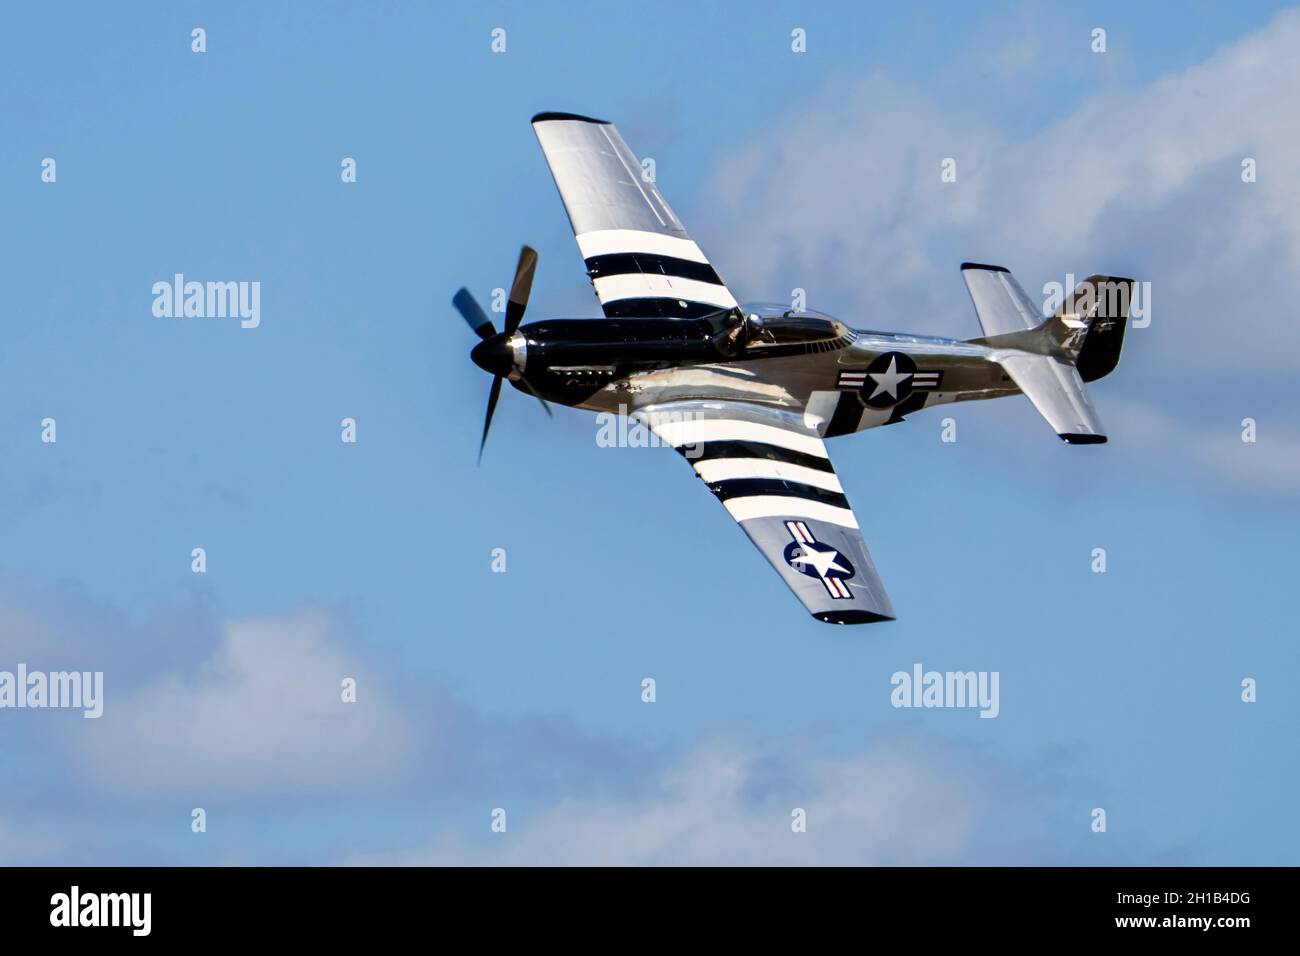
(851, 379)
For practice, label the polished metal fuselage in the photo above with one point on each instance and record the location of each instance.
(811, 381)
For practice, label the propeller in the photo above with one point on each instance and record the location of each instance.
(495, 352)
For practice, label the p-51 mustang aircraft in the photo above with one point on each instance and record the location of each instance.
(748, 394)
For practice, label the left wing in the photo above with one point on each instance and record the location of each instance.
(770, 470)
(639, 257)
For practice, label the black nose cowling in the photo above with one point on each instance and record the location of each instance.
(494, 355)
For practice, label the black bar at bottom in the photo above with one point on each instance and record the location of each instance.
(305, 905)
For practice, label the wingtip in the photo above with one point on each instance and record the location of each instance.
(1072, 438)
(851, 617)
(549, 116)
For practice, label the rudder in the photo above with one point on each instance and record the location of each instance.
(1089, 324)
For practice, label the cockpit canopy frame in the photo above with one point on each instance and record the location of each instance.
(769, 324)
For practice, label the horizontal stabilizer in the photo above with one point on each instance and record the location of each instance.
(1058, 393)
(1000, 302)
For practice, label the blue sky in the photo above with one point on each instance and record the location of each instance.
(522, 690)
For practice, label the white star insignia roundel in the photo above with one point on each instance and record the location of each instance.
(821, 561)
(818, 560)
(889, 380)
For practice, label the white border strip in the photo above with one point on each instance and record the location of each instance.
(727, 469)
(600, 242)
(778, 506)
(639, 285)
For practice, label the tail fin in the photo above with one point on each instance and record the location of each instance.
(1087, 330)
(1049, 360)
(1090, 323)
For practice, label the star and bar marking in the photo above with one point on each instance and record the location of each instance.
(888, 380)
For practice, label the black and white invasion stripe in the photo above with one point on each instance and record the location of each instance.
(641, 273)
(762, 471)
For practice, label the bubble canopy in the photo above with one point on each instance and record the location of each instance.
(780, 310)
(770, 323)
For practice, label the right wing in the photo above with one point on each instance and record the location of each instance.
(770, 470)
(639, 257)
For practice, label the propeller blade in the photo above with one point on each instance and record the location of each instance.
(520, 289)
(532, 391)
(491, 407)
(472, 314)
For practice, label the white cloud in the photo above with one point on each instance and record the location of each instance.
(263, 714)
(729, 803)
(844, 199)
(226, 711)
(847, 193)
(252, 728)
(1271, 463)
(254, 719)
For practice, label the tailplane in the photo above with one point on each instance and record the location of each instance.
(1056, 389)
(1051, 359)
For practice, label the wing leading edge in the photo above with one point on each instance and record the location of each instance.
(639, 256)
(771, 472)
